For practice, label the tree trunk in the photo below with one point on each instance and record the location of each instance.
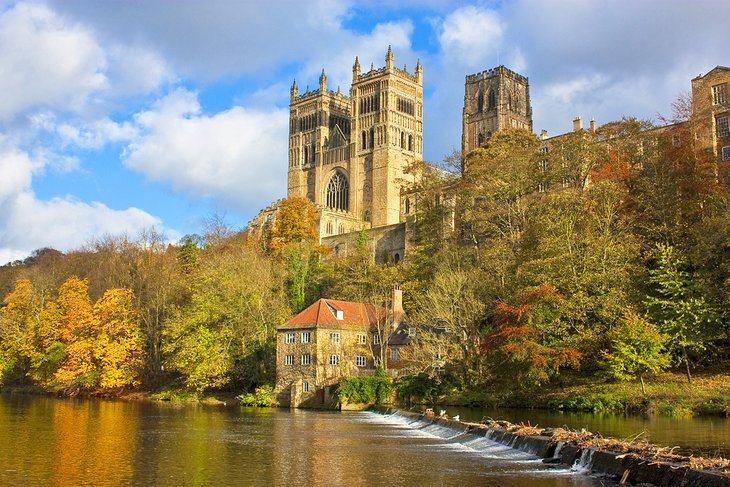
(686, 363)
(643, 388)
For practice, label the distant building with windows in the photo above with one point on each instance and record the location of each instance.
(711, 106)
(333, 339)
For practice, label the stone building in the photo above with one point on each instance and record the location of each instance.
(494, 100)
(711, 106)
(347, 154)
(333, 339)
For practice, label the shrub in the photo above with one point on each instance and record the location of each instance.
(364, 390)
(262, 397)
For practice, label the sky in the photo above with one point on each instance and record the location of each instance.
(117, 117)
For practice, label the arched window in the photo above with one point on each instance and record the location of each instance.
(372, 138)
(402, 140)
(329, 228)
(492, 101)
(396, 258)
(340, 229)
(509, 101)
(410, 143)
(366, 215)
(306, 155)
(480, 138)
(364, 140)
(338, 192)
(480, 102)
(408, 206)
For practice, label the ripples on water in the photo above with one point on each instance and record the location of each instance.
(45, 441)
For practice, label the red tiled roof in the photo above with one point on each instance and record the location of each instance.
(323, 312)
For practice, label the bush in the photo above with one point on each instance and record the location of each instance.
(364, 390)
(262, 397)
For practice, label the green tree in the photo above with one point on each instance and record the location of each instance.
(681, 312)
(637, 348)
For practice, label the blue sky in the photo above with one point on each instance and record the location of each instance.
(120, 116)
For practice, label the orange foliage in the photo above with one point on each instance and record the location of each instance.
(295, 222)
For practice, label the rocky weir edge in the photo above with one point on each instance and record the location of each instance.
(627, 468)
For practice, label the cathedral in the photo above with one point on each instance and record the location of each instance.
(349, 154)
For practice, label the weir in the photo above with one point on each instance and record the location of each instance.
(629, 469)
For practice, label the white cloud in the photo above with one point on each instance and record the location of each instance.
(238, 156)
(46, 61)
(63, 223)
(471, 35)
(566, 91)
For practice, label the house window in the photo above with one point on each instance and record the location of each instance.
(361, 361)
(541, 187)
(726, 153)
(676, 142)
(306, 337)
(394, 354)
(411, 332)
(719, 94)
(723, 129)
(361, 338)
(376, 339)
(306, 359)
(305, 386)
(290, 360)
(335, 337)
(290, 337)
(334, 360)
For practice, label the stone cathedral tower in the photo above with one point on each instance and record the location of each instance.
(494, 100)
(348, 154)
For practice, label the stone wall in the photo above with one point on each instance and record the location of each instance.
(385, 244)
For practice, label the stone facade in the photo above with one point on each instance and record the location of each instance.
(494, 100)
(711, 107)
(347, 154)
(334, 339)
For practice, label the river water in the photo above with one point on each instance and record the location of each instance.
(67, 442)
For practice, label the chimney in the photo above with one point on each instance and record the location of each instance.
(397, 303)
(543, 134)
(593, 125)
(577, 124)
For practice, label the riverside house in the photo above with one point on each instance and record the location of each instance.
(333, 339)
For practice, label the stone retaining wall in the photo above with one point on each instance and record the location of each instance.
(629, 467)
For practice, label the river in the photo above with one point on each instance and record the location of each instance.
(77, 442)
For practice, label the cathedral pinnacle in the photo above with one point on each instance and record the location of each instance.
(323, 81)
(294, 90)
(419, 71)
(389, 59)
(355, 69)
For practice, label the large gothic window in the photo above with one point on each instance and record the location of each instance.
(492, 101)
(338, 192)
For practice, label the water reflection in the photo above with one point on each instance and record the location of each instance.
(47, 441)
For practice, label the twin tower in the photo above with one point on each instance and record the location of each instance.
(349, 154)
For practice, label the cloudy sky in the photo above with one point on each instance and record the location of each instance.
(120, 116)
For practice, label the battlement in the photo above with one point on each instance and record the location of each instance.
(376, 72)
(312, 94)
(470, 78)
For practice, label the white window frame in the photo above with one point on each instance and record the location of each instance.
(305, 386)
(306, 359)
(376, 339)
(725, 153)
(334, 359)
(723, 126)
(394, 355)
(306, 337)
(335, 337)
(362, 338)
(289, 360)
(290, 337)
(361, 361)
(719, 94)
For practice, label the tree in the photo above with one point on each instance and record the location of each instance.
(528, 342)
(681, 312)
(295, 222)
(637, 348)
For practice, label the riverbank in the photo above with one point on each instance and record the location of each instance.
(633, 462)
(668, 394)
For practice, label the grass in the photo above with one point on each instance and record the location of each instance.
(668, 394)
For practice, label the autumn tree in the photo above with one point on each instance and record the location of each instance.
(528, 342)
(295, 222)
(637, 349)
